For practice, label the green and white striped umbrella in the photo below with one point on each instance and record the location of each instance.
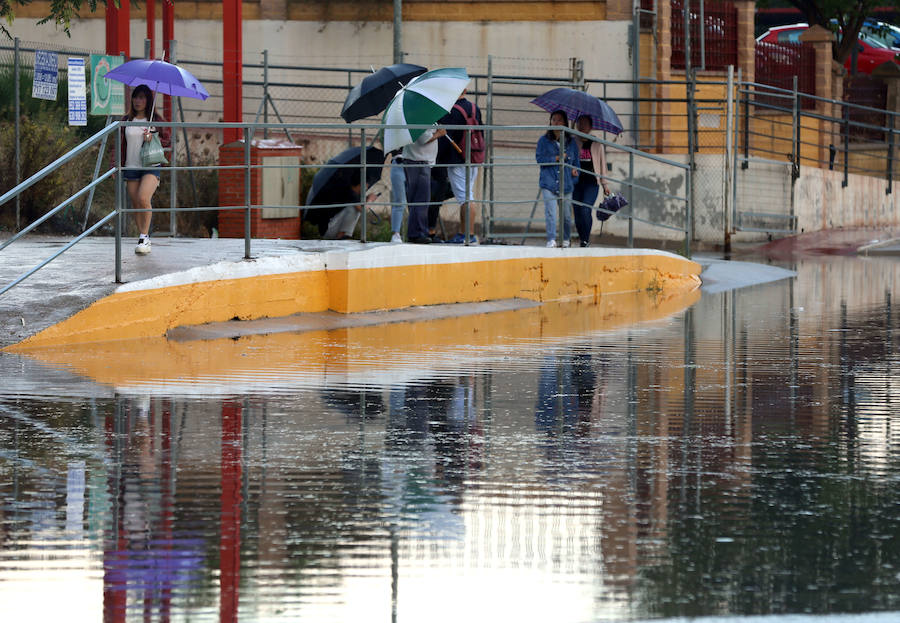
(424, 100)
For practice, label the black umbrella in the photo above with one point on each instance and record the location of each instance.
(372, 95)
(332, 183)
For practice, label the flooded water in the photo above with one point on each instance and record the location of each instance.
(635, 458)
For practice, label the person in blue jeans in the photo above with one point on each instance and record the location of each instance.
(590, 178)
(547, 154)
(398, 197)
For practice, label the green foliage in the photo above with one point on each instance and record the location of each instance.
(61, 12)
(43, 139)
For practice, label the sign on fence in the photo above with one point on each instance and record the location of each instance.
(46, 74)
(107, 96)
(77, 92)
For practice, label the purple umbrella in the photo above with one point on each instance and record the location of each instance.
(576, 103)
(160, 76)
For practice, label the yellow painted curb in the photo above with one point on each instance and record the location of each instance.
(368, 282)
(290, 359)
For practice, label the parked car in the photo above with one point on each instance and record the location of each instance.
(887, 34)
(872, 52)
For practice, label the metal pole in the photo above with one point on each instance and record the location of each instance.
(846, 147)
(398, 31)
(746, 162)
(119, 198)
(101, 153)
(735, 155)
(692, 125)
(635, 114)
(246, 193)
(18, 135)
(362, 183)
(173, 173)
(487, 228)
(560, 210)
(795, 132)
(349, 130)
(266, 92)
(729, 160)
(147, 48)
(468, 223)
(702, 36)
(689, 199)
(687, 37)
(890, 155)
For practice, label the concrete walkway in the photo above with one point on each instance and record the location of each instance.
(85, 273)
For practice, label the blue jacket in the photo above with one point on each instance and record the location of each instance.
(546, 154)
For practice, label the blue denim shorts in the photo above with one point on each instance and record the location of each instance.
(137, 174)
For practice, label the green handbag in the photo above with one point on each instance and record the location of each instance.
(152, 152)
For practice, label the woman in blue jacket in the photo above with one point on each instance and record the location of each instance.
(547, 154)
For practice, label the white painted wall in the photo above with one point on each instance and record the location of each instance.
(540, 47)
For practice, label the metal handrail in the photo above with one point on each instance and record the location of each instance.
(363, 130)
(69, 155)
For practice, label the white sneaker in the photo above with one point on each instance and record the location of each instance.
(551, 244)
(143, 246)
(396, 239)
(566, 244)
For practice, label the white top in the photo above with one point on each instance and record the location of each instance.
(134, 138)
(420, 151)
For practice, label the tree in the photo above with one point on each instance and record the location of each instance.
(844, 16)
(61, 12)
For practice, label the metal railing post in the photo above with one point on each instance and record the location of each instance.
(349, 88)
(846, 147)
(689, 212)
(734, 167)
(18, 114)
(119, 200)
(746, 162)
(487, 226)
(247, 193)
(795, 132)
(560, 210)
(362, 183)
(266, 92)
(468, 224)
(729, 160)
(173, 172)
(890, 155)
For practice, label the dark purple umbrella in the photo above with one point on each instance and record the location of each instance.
(160, 76)
(576, 103)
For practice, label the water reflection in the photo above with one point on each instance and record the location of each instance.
(567, 464)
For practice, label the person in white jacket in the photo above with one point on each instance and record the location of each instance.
(592, 159)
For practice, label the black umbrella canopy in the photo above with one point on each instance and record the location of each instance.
(330, 180)
(371, 96)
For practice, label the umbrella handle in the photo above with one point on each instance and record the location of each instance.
(455, 146)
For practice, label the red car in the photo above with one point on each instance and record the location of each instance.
(872, 52)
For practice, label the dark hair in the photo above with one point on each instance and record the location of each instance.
(148, 95)
(550, 133)
(575, 125)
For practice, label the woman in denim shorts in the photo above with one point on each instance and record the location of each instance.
(141, 183)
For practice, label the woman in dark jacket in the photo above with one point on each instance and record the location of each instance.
(142, 182)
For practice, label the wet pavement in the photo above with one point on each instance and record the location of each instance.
(734, 456)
